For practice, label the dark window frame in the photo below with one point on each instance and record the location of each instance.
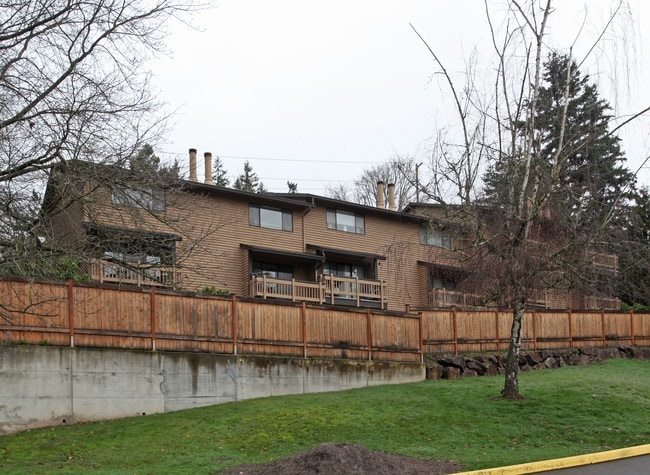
(144, 198)
(435, 237)
(334, 222)
(255, 213)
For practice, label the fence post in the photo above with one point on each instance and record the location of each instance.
(356, 287)
(71, 311)
(496, 323)
(570, 330)
(632, 325)
(602, 324)
(304, 329)
(534, 330)
(234, 324)
(152, 306)
(453, 314)
(369, 331)
(421, 338)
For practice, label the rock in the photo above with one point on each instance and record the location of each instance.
(492, 370)
(533, 359)
(455, 361)
(435, 372)
(451, 372)
(608, 353)
(468, 373)
(477, 367)
(589, 351)
(550, 362)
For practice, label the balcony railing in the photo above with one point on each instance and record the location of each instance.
(329, 289)
(608, 262)
(597, 303)
(101, 270)
(451, 298)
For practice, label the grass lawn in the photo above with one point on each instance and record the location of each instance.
(568, 411)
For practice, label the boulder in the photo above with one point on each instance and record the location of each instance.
(533, 359)
(435, 372)
(551, 362)
(451, 372)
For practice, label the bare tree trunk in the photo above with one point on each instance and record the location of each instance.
(511, 387)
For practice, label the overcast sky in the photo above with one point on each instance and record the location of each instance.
(315, 91)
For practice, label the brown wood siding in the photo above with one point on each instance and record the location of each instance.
(396, 240)
(212, 229)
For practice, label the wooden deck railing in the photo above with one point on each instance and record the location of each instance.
(595, 303)
(329, 289)
(546, 299)
(100, 270)
(605, 261)
(450, 298)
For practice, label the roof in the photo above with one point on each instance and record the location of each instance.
(350, 206)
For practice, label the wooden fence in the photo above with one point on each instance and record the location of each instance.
(102, 315)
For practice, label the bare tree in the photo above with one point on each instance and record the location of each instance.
(530, 238)
(399, 171)
(73, 85)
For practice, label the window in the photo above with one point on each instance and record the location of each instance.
(275, 271)
(139, 198)
(346, 221)
(271, 218)
(340, 269)
(434, 237)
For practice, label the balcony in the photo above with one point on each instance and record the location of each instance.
(100, 270)
(329, 289)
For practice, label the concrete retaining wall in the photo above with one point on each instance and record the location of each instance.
(44, 386)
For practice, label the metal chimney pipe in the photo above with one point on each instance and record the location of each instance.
(391, 197)
(193, 165)
(380, 195)
(207, 156)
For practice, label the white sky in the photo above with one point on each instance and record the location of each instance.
(316, 91)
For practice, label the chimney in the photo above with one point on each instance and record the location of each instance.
(208, 168)
(391, 196)
(380, 195)
(193, 165)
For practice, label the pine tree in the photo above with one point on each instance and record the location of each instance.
(633, 278)
(145, 160)
(593, 173)
(219, 176)
(249, 181)
(146, 163)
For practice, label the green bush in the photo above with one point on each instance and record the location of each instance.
(209, 290)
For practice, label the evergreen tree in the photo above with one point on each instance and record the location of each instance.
(249, 181)
(146, 163)
(633, 279)
(593, 171)
(219, 172)
(591, 160)
(145, 160)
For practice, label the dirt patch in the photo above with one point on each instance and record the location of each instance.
(347, 459)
